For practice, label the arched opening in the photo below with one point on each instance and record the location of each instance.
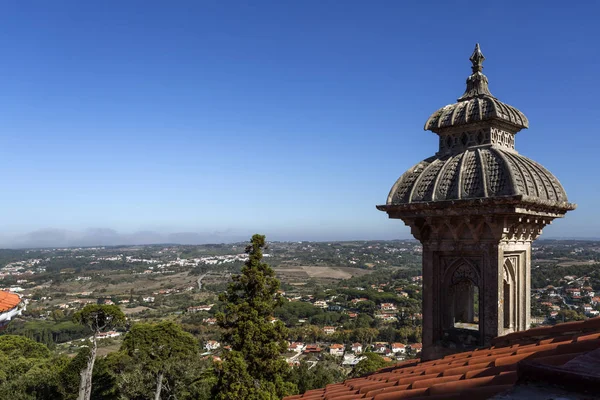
(506, 293)
(465, 304)
(461, 320)
(508, 297)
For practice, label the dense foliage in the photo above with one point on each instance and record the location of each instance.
(253, 369)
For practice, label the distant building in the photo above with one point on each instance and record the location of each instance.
(398, 348)
(109, 334)
(320, 304)
(380, 347)
(312, 348)
(416, 347)
(212, 345)
(357, 348)
(10, 306)
(296, 346)
(336, 349)
(194, 309)
(329, 330)
(388, 307)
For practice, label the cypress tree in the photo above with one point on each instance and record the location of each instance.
(254, 368)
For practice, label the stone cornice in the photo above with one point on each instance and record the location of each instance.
(496, 205)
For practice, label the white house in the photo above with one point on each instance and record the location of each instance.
(296, 346)
(149, 299)
(417, 347)
(194, 309)
(398, 348)
(329, 330)
(357, 348)
(351, 359)
(380, 347)
(212, 345)
(320, 304)
(388, 307)
(109, 334)
(336, 349)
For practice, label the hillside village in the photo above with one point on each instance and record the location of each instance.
(378, 310)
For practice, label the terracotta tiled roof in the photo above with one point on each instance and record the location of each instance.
(477, 374)
(8, 301)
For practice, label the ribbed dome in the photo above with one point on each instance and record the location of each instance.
(477, 173)
(477, 159)
(476, 104)
(475, 109)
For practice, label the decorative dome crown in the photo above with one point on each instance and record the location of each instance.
(477, 159)
(481, 172)
(476, 104)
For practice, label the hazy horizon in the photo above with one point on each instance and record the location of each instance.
(62, 238)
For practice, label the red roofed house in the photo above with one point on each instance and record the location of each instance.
(417, 347)
(296, 346)
(312, 348)
(398, 348)
(336, 349)
(357, 348)
(10, 306)
(380, 347)
(329, 330)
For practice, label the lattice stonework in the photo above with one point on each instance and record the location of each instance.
(471, 178)
(425, 184)
(495, 173)
(449, 181)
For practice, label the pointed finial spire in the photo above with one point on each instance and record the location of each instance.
(477, 83)
(477, 59)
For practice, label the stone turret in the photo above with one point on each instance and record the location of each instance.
(476, 206)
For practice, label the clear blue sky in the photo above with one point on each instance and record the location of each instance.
(288, 118)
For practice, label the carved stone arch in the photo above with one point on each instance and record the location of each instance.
(508, 270)
(461, 269)
(465, 231)
(460, 282)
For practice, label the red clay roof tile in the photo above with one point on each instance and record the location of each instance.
(8, 301)
(478, 374)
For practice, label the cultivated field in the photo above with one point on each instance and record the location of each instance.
(302, 273)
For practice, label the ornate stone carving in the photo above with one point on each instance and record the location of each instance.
(472, 183)
(476, 206)
(502, 138)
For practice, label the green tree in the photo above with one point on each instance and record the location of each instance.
(569, 315)
(254, 368)
(157, 347)
(307, 377)
(370, 363)
(28, 370)
(97, 318)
